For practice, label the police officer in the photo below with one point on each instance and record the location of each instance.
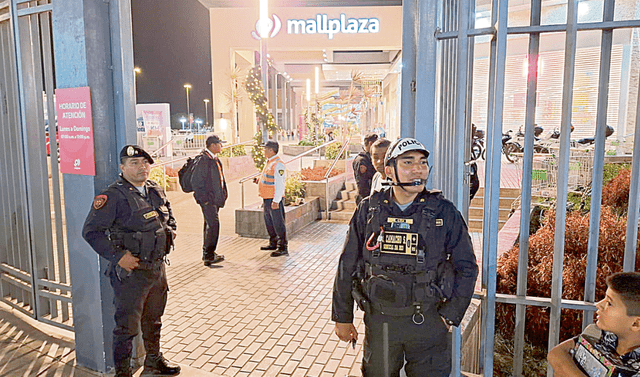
(408, 262)
(131, 225)
(363, 169)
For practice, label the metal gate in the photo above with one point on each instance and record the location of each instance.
(453, 84)
(34, 271)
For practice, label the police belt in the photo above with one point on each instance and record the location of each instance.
(153, 265)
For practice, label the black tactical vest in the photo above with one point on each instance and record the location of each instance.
(404, 255)
(144, 233)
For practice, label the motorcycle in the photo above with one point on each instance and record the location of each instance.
(511, 148)
(477, 143)
(591, 140)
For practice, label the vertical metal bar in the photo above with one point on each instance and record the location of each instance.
(634, 199)
(45, 23)
(491, 206)
(460, 138)
(563, 174)
(6, 241)
(471, 16)
(598, 162)
(407, 104)
(264, 73)
(525, 213)
(23, 155)
(425, 113)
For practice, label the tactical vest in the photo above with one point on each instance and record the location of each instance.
(406, 266)
(144, 233)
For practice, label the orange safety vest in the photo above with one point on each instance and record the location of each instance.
(267, 183)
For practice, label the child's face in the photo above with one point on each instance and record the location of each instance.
(612, 314)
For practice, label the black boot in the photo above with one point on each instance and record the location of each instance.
(273, 245)
(123, 372)
(157, 365)
(212, 259)
(281, 250)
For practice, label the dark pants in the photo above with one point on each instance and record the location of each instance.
(211, 229)
(140, 299)
(274, 220)
(390, 340)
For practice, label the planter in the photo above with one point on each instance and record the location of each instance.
(326, 163)
(237, 167)
(294, 150)
(173, 184)
(250, 220)
(319, 189)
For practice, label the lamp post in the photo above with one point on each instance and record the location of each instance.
(182, 120)
(198, 123)
(206, 112)
(187, 87)
(264, 30)
(136, 71)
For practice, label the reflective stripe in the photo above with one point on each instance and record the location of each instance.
(268, 183)
(269, 176)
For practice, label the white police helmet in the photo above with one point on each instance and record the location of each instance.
(402, 146)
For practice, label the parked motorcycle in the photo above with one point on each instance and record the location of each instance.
(477, 143)
(511, 148)
(592, 140)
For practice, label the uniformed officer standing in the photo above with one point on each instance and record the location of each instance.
(363, 169)
(408, 262)
(271, 190)
(132, 226)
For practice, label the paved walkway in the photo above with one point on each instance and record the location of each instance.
(252, 315)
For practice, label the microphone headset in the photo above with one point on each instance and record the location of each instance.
(398, 148)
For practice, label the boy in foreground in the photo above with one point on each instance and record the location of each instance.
(617, 327)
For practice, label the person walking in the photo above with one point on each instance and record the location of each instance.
(210, 192)
(131, 225)
(408, 262)
(363, 169)
(271, 190)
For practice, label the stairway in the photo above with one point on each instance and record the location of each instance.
(476, 208)
(344, 206)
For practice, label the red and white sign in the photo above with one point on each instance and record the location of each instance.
(75, 131)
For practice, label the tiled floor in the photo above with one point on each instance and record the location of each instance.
(257, 315)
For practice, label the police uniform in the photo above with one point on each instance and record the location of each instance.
(363, 171)
(410, 270)
(123, 218)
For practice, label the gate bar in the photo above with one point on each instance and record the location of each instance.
(634, 200)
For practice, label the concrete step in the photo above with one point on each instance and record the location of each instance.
(350, 186)
(348, 194)
(345, 204)
(478, 213)
(341, 215)
(505, 202)
(504, 192)
(475, 225)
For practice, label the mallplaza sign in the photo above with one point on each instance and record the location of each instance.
(321, 24)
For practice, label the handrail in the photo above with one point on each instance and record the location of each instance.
(326, 177)
(298, 157)
(195, 154)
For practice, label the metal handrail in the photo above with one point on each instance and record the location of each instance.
(297, 157)
(326, 177)
(249, 142)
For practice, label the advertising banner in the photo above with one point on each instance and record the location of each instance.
(75, 131)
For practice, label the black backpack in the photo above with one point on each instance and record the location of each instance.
(185, 173)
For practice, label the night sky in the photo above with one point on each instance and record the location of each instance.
(171, 44)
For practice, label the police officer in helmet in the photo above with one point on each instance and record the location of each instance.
(131, 225)
(408, 262)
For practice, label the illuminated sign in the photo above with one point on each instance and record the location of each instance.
(322, 24)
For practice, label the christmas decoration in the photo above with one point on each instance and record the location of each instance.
(253, 86)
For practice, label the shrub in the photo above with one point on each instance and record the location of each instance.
(293, 188)
(318, 173)
(616, 192)
(332, 151)
(158, 176)
(235, 151)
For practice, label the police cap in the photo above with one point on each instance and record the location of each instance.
(272, 144)
(130, 151)
(402, 146)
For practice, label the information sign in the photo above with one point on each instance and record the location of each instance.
(75, 131)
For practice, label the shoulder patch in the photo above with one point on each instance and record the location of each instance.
(99, 201)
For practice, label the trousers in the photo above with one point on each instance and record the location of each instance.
(274, 221)
(140, 299)
(211, 229)
(389, 341)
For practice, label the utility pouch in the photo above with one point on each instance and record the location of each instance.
(446, 278)
(161, 243)
(169, 240)
(147, 245)
(386, 292)
(359, 297)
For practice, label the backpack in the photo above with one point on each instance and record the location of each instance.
(185, 173)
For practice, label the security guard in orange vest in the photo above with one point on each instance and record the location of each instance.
(271, 190)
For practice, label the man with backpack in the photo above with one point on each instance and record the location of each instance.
(210, 191)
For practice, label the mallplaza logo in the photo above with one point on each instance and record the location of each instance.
(321, 24)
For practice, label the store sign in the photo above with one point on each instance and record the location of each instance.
(321, 24)
(75, 131)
